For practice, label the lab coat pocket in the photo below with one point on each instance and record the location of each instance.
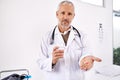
(77, 50)
(78, 53)
(75, 54)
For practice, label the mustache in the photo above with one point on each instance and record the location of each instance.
(65, 20)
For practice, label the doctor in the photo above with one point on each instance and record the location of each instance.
(64, 51)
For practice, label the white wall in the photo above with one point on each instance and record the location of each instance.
(23, 22)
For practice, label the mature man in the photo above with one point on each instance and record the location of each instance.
(65, 53)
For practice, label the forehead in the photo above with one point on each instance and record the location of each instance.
(66, 8)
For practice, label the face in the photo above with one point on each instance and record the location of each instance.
(65, 15)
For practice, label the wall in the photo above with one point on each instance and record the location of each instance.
(89, 18)
(23, 22)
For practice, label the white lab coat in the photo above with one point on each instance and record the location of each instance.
(67, 68)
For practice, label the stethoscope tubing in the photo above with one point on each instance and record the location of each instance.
(53, 35)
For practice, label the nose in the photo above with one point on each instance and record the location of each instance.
(66, 16)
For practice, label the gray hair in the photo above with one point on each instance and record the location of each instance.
(65, 2)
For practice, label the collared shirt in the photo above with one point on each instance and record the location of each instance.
(67, 68)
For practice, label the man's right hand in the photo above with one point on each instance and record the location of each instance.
(56, 54)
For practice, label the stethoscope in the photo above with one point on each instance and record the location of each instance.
(53, 35)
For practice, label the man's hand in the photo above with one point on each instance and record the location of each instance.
(56, 54)
(87, 62)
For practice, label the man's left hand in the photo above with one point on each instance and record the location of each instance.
(87, 62)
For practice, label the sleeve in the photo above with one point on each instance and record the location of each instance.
(45, 60)
(87, 50)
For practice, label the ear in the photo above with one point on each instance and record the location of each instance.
(74, 15)
(56, 13)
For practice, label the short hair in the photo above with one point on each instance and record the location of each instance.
(65, 2)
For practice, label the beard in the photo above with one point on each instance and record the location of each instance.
(65, 23)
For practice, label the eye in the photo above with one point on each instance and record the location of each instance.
(62, 13)
(69, 13)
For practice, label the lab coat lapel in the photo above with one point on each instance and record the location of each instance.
(71, 37)
(59, 39)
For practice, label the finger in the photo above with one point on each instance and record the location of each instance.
(97, 59)
(58, 56)
(56, 47)
(59, 51)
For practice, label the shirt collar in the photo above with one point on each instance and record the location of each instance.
(58, 32)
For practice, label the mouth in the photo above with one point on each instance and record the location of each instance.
(65, 22)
